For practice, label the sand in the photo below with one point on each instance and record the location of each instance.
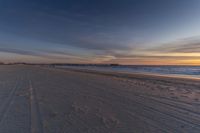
(37, 99)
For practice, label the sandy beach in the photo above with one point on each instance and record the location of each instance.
(37, 99)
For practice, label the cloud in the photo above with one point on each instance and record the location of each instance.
(21, 52)
(187, 45)
(156, 60)
(61, 26)
(100, 43)
(49, 55)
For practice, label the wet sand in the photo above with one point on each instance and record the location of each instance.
(49, 100)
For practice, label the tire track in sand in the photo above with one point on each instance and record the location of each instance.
(36, 123)
(7, 104)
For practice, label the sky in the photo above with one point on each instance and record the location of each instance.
(138, 32)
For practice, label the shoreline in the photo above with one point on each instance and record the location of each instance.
(131, 74)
